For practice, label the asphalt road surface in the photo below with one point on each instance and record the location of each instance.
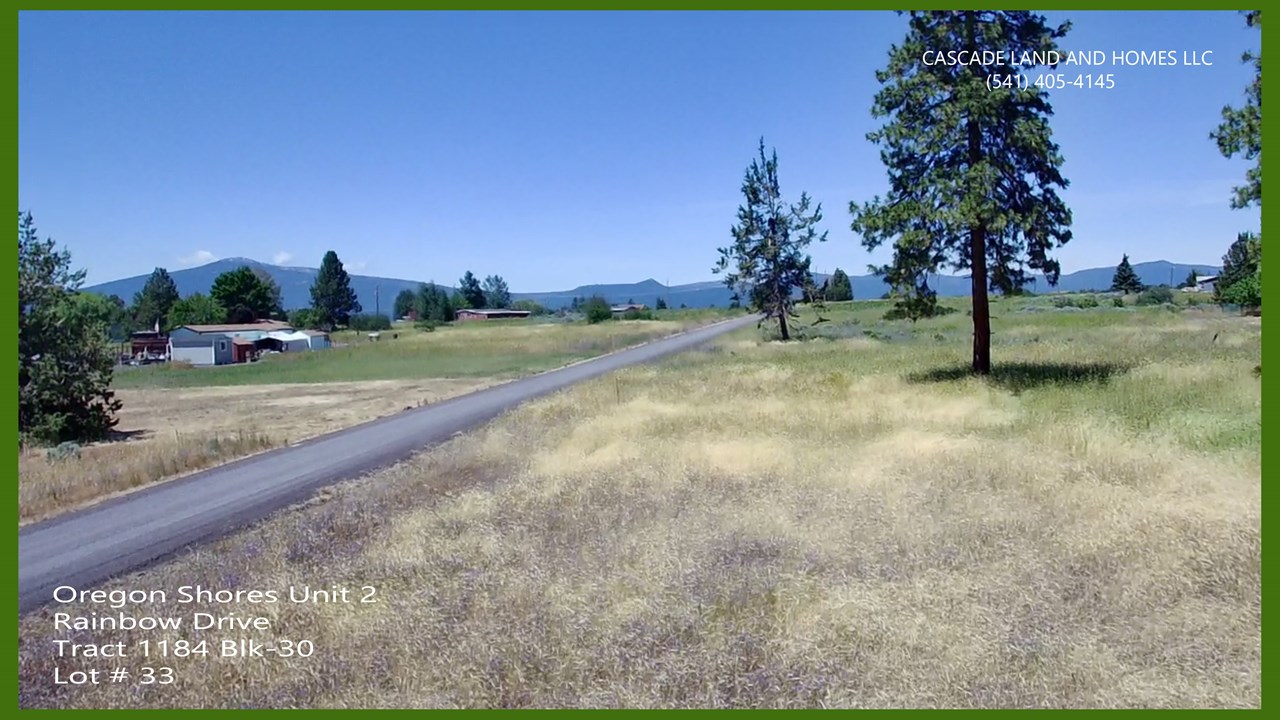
(89, 546)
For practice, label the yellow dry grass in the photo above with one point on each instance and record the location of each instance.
(166, 433)
(777, 525)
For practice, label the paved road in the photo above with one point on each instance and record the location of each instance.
(88, 546)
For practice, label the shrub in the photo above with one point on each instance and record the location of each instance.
(1087, 301)
(1246, 293)
(1117, 301)
(1158, 295)
(637, 315)
(597, 310)
(369, 322)
(62, 451)
(426, 324)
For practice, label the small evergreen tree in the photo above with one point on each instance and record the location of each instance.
(840, 287)
(64, 360)
(769, 242)
(1125, 279)
(1192, 280)
(331, 295)
(661, 304)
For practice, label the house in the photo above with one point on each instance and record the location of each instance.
(490, 314)
(234, 343)
(1206, 284)
(629, 307)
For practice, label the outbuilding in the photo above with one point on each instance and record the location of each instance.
(224, 344)
(490, 314)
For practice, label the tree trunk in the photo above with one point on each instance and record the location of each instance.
(782, 325)
(978, 263)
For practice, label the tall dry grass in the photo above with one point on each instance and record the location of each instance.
(840, 522)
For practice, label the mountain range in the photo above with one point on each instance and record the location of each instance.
(378, 294)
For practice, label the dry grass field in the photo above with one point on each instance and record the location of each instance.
(166, 433)
(847, 521)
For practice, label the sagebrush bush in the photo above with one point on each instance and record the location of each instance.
(1158, 295)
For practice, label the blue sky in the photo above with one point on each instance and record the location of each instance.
(554, 149)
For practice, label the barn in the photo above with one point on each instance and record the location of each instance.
(490, 314)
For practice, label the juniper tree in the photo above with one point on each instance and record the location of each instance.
(1125, 279)
(767, 253)
(973, 172)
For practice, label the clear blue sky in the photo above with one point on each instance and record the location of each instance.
(554, 149)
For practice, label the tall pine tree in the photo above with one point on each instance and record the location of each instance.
(151, 305)
(471, 291)
(973, 172)
(769, 240)
(331, 295)
(1125, 279)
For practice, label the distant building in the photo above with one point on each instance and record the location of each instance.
(1207, 284)
(237, 343)
(467, 314)
(620, 309)
(148, 345)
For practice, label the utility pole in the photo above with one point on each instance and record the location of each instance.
(377, 299)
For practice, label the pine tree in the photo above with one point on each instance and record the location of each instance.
(1192, 280)
(331, 295)
(64, 359)
(1241, 130)
(152, 303)
(769, 242)
(496, 294)
(973, 172)
(840, 288)
(1125, 279)
(470, 288)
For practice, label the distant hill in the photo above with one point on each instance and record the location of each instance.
(295, 285)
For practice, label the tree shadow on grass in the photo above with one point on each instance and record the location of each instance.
(1019, 376)
(115, 436)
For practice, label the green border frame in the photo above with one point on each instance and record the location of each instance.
(11, 21)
